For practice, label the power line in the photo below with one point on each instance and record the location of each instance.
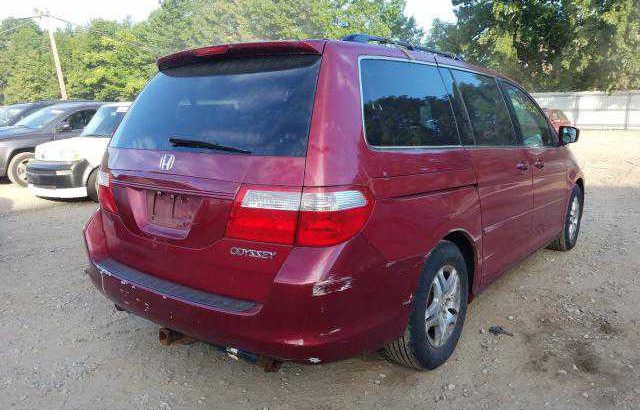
(131, 42)
(89, 28)
(18, 26)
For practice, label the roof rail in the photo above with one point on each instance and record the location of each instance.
(366, 38)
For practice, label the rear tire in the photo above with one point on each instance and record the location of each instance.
(568, 238)
(17, 170)
(438, 313)
(92, 185)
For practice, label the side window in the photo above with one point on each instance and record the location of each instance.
(78, 120)
(462, 118)
(486, 107)
(533, 126)
(405, 104)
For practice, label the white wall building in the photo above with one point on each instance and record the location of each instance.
(595, 109)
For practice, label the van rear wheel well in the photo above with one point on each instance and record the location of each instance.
(462, 241)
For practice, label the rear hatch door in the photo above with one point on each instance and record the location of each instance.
(194, 136)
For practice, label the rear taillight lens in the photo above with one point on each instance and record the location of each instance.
(264, 215)
(332, 216)
(315, 217)
(105, 191)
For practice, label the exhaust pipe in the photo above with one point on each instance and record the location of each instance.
(170, 337)
(268, 364)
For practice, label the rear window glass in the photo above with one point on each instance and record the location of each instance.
(487, 110)
(261, 105)
(406, 104)
(104, 122)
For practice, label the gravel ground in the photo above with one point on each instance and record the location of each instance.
(574, 317)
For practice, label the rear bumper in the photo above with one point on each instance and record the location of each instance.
(295, 323)
(52, 176)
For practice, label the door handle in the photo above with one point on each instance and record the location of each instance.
(522, 166)
(539, 164)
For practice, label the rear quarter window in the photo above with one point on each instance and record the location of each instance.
(262, 105)
(405, 105)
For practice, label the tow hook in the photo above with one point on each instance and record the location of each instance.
(169, 337)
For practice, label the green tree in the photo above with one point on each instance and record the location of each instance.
(107, 60)
(550, 44)
(180, 24)
(27, 71)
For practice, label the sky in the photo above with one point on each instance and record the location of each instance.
(425, 11)
(81, 11)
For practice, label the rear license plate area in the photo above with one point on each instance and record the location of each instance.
(170, 210)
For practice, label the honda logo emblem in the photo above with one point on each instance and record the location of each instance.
(166, 162)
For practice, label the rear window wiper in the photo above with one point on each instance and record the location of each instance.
(180, 142)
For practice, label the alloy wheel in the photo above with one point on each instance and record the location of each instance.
(574, 218)
(21, 170)
(443, 305)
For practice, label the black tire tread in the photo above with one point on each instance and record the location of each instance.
(560, 242)
(401, 350)
(557, 243)
(91, 191)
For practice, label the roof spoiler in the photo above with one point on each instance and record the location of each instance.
(267, 48)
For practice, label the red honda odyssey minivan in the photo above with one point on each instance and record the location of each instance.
(312, 200)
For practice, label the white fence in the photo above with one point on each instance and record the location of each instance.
(596, 110)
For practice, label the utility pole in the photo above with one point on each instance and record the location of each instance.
(48, 25)
(56, 61)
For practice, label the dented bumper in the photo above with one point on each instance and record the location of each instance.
(314, 317)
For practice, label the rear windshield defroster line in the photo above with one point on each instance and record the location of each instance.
(259, 105)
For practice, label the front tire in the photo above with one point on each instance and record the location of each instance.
(17, 170)
(438, 313)
(568, 238)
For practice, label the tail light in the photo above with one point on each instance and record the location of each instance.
(328, 217)
(105, 191)
(313, 217)
(264, 215)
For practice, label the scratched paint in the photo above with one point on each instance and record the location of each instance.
(332, 285)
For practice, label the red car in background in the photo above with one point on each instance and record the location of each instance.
(557, 118)
(312, 200)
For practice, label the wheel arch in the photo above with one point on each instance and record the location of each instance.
(467, 247)
(12, 155)
(17, 151)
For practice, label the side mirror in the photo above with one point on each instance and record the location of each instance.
(63, 127)
(568, 134)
